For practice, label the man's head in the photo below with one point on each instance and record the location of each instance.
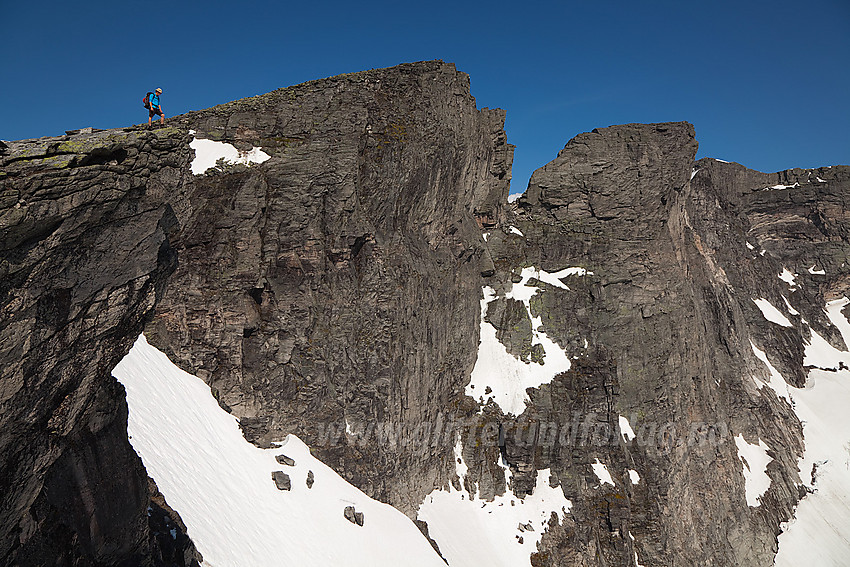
(158, 91)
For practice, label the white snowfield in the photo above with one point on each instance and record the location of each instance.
(496, 368)
(819, 533)
(222, 487)
(472, 532)
(208, 152)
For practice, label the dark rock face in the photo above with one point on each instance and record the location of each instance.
(284, 460)
(334, 284)
(353, 516)
(668, 316)
(85, 255)
(337, 284)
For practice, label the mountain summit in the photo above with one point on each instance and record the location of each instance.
(641, 361)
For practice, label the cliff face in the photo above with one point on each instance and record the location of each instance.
(678, 252)
(334, 291)
(86, 255)
(336, 285)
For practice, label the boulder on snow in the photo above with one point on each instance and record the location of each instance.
(353, 516)
(281, 480)
(284, 460)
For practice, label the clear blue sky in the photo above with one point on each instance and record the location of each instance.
(765, 83)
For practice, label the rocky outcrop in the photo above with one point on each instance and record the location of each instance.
(85, 256)
(333, 285)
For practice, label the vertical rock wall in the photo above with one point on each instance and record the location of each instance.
(333, 292)
(668, 315)
(335, 286)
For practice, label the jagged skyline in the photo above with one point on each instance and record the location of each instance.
(764, 87)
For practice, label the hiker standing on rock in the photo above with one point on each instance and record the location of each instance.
(154, 107)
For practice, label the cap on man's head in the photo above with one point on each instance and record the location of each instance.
(158, 90)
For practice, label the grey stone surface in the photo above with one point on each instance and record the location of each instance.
(668, 316)
(353, 516)
(284, 460)
(281, 480)
(336, 282)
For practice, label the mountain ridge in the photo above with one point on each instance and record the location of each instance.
(341, 282)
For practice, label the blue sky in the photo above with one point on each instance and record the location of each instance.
(766, 84)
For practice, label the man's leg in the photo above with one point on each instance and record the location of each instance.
(161, 118)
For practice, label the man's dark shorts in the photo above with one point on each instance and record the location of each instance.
(154, 112)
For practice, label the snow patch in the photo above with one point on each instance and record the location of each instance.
(496, 368)
(820, 354)
(514, 196)
(819, 179)
(720, 160)
(460, 465)
(515, 230)
(815, 272)
(771, 313)
(601, 472)
(694, 172)
(788, 277)
(790, 308)
(634, 476)
(750, 246)
(485, 236)
(222, 487)
(776, 187)
(208, 152)
(472, 532)
(626, 429)
(755, 460)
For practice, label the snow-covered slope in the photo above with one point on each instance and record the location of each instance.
(222, 486)
(819, 534)
(503, 532)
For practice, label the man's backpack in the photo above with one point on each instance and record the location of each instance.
(147, 101)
